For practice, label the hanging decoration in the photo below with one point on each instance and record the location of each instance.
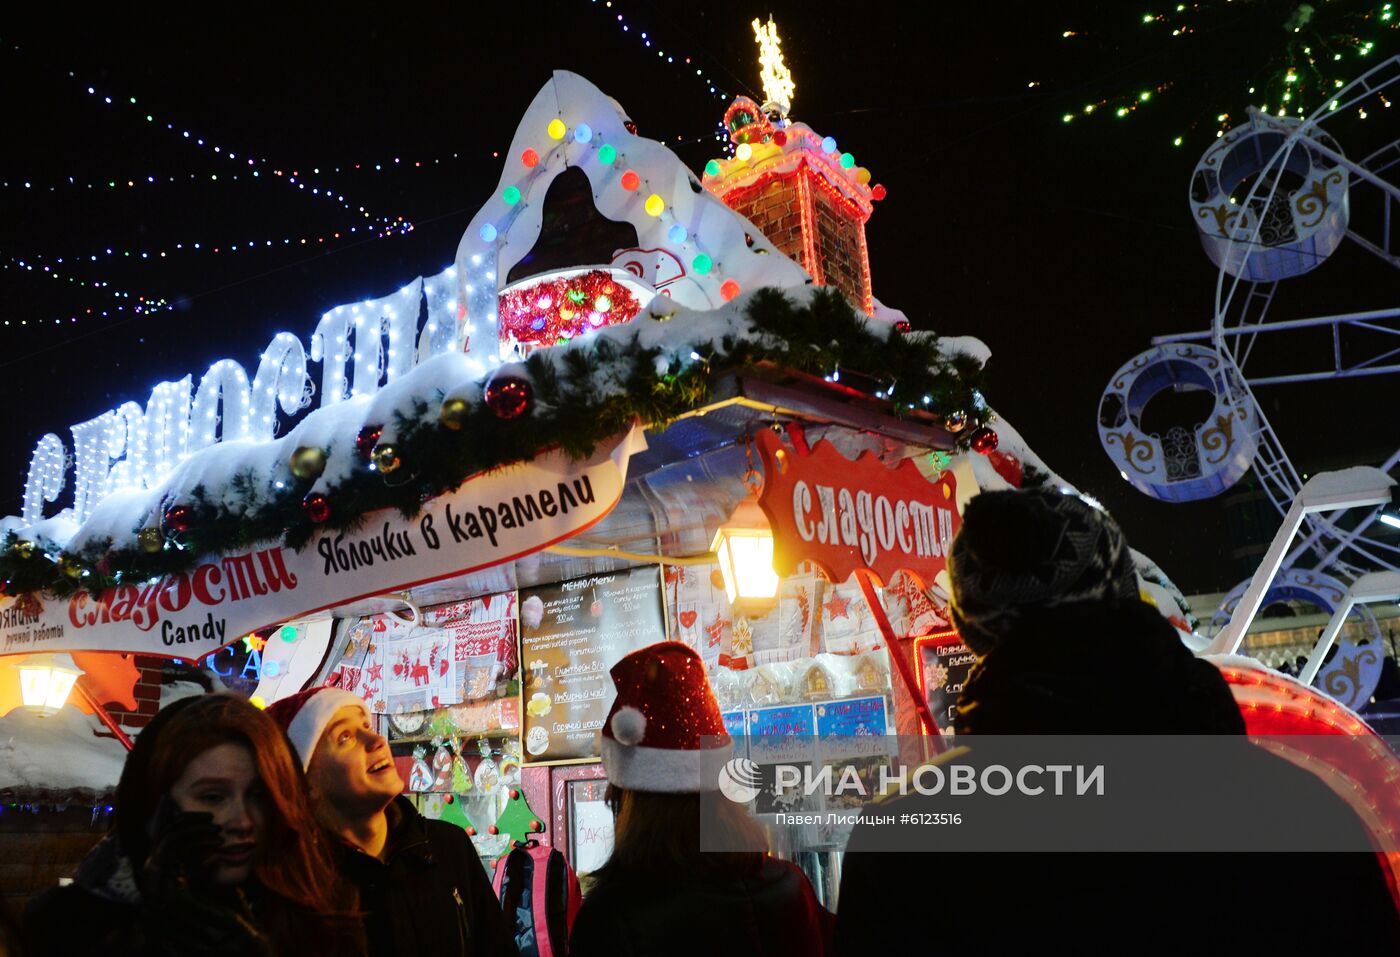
(307, 462)
(985, 440)
(509, 397)
(317, 508)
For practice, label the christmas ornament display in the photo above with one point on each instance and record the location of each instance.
(547, 312)
(317, 508)
(877, 192)
(985, 440)
(179, 518)
(69, 567)
(386, 458)
(453, 414)
(307, 462)
(955, 421)
(508, 396)
(151, 540)
(367, 440)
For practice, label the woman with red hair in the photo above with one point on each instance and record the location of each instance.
(214, 850)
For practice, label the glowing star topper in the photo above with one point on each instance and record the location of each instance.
(776, 77)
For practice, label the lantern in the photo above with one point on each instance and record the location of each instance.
(744, 545)
(45, 681)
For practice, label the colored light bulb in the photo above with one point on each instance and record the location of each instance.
(511, 195)
(847, 161)
(744, 152)
(702, 264)
(557, 129)
(583, 133)
(829, 145)
(655, 205)
(530, 158)
(712, 168)
(488, 233)
(607, 154)
(676, 233)
(630, 180)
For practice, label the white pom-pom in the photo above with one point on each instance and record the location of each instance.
(629, 726)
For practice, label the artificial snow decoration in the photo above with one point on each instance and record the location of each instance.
(629, 726)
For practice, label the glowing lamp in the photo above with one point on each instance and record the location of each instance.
(556, 129)
(655, 205)
(530, 158)
(862, 176)
(744, 546)
(702, 264)
(847, 161)
(630, 180)
(488, 233)
(45, 681)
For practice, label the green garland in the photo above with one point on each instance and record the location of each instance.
(569, 411)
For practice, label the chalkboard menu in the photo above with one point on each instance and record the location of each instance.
(571, 634)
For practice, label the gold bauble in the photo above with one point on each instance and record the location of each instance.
(151, 539)
(386, 458)
(307, 462)
(454, 412)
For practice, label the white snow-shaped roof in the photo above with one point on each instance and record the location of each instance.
(503, 232)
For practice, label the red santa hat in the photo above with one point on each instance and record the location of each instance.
(664, 732)
(304, 716)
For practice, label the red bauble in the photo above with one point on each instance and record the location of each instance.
(780, 138)
(367, 440)
(537, 825)
(316, 507)
(530, 158)
(877, 192)
(179, 518)
(984, 440)
(903, 325)
(630, 180)
(493, 829)
(508, 396)
(514, 794)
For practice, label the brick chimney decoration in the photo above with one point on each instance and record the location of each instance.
(806, 196)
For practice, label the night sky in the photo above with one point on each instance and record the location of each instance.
(1064, 246)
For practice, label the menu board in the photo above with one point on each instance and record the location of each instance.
(943, 668)
(571, 634)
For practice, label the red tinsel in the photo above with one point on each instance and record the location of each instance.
(556, 310)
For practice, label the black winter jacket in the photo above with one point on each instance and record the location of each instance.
(774, 913)
(430, 894)
(1102, 669)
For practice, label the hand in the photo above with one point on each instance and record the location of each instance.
(183, 844)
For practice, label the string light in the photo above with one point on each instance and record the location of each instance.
(1296, 76)
(398, 228)
(258, 165)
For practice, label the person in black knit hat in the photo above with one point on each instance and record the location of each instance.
(1044, 592)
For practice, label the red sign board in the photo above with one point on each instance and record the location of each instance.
(846, 516)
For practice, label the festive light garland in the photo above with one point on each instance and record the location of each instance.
(292, 178)
(685, 62)
(1295, 80)
(563, 407)
(142, 305)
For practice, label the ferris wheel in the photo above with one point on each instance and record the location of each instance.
(1272, 199)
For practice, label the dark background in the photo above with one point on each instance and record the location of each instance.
(1065, 247)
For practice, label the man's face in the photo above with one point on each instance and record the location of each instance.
(351, 769)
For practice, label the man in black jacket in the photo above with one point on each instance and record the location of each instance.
(422, 887)
(1045, 594)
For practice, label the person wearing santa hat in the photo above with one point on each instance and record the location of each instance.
(664, 746)
(422, 886)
